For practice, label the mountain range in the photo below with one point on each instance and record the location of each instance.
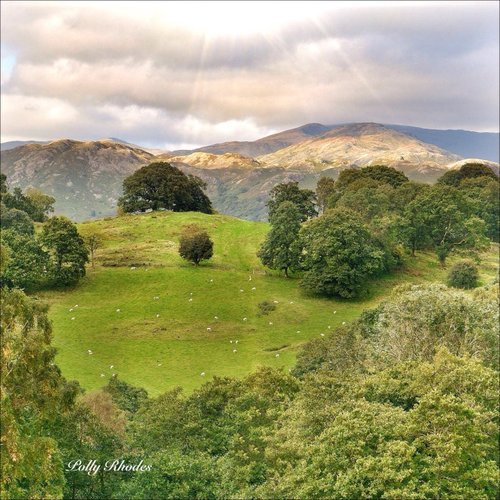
(86, 177)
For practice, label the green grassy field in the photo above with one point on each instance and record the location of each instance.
(160, 322)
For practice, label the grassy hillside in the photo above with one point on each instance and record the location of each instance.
(161, 322)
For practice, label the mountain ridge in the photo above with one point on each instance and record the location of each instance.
(86, 177)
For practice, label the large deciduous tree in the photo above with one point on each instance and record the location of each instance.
(339, 254)
(162, 186)
(446, 216)
(281, 248)
(66, 248)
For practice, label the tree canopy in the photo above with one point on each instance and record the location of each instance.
(163, 186)
(304, 199)
(67, 250)
(467, 171)
(281, 248)
(195, 245)
(339, 254)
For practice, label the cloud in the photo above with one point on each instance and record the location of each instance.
(196, 73)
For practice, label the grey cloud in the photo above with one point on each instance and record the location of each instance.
(431, 65)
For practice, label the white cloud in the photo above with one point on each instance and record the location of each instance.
(195, 73)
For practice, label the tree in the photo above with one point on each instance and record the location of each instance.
(93, 241)
(444, 211)
(18, 221)
(419, 319)
(467, 171)
(33, 395)
(463, 274)
(405, 194)
(3, 184)
(162, 186)
(346, 177)
(196, 246)
(339, 254)
(281, 248)
(385, 175)
(325, 188)
(379, 173)
(66, 248)
(367, 197)
(412, 230)
(28, 266)
(289, 191)
(482, 195)
(43, 203)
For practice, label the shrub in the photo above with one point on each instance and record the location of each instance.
(463, 274)
(196, 246)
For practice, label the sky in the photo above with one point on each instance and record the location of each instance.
(174, 75)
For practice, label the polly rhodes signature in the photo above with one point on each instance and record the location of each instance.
(92, 467)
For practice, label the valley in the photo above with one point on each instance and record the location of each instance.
(160, 343)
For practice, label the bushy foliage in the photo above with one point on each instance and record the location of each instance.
(304, 199)
(411, 327)
(17, 220)
(33, 394)
(163, 186)
(281, 248)
(483, 199)
(67, 250)
(28, 266)
(195, 246)
(378, 173)
(339, 254)
(126, 396)
(443, 217)
(57, 256)
(467, 171)
(385, 175)
(324, 190)
(34, 203)
(463, 274)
